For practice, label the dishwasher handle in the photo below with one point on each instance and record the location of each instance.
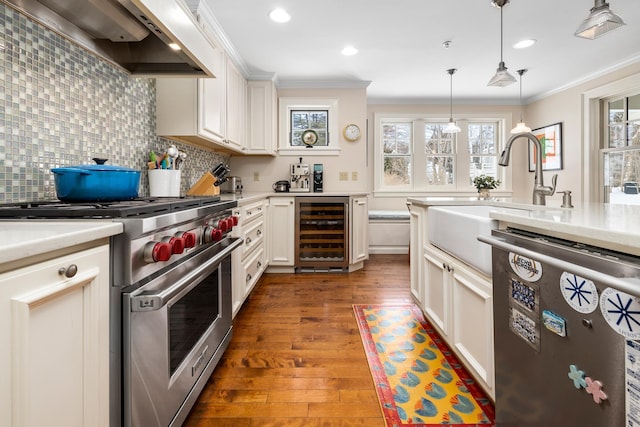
(621, 284)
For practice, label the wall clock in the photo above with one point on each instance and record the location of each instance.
(309, 137)
(352, 132)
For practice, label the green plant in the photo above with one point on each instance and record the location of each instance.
(485, 182)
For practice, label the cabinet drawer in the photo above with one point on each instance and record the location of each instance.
(253, 267)
(251, 212)
(253, 235)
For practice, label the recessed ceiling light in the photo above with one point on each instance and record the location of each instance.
(349, 51)
(524, 43)
(279, 15)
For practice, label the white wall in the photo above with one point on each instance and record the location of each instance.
(352, 108)
(566, 107)
(521, 186)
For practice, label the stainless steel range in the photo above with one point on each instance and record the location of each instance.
(171, 304)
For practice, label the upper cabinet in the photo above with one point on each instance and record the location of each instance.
(262, 119)
(209, 112)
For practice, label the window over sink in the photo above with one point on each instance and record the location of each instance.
(414, 154)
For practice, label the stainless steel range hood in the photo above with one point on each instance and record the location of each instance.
(134, 34)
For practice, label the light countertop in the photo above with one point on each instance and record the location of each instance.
(248, 197)
(28, 238)
(615, 227)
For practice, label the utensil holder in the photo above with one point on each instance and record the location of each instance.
(164, 183)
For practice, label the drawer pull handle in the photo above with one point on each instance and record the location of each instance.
(259, 264)
(68, 272)
(248, 241)
(259, 232)
(248, 277)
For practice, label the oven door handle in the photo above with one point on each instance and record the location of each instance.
(629, 285)
(155, 300)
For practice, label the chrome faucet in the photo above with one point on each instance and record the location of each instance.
(539, 189)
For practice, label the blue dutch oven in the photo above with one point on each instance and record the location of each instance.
(96, 183)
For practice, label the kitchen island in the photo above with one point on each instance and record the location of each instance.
(457, 297)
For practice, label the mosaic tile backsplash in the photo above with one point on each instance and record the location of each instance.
(61, 106)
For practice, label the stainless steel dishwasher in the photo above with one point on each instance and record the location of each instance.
(566, 325)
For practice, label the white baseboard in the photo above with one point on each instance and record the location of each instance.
(389, 250)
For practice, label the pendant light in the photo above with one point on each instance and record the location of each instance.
(601, 20)
(451, 126)
(521, 127)
(502, 77)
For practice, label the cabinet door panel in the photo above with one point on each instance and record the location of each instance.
(58, 329)
(473, 326)
(436, 291)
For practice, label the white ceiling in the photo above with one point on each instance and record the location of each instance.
(401, 49)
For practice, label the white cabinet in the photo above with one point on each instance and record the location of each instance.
(458, 302)
(236, 111)
(281, 232)
(250, 260)
(472, 322)
(359, 226)
(262, 126)
(456, 299)
(54, 331)
(416, 237)
(436, 289)
(210, 112)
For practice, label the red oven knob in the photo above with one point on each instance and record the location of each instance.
(177, 244)
(212, 234)
(157, 252)
(229, 223)
(221, 224)
(190, 238)
(235, 219)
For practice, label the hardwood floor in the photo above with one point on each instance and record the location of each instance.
(296, 358)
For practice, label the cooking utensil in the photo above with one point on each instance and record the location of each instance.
(96, 183)
(220, 172)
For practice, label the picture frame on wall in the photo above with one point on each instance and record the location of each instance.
(550, 138)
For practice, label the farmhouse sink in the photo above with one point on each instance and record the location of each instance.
(455, 229)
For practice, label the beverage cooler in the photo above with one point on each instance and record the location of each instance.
(321, 233)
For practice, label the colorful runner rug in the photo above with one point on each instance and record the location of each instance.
(418, 379)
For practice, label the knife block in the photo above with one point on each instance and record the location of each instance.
(204, 186)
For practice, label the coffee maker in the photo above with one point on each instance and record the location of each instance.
(300, 177)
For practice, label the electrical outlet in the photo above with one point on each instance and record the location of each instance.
(344, 176)
(256, 176)
(354, 175)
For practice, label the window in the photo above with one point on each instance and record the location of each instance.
(621, 152)
(316, 120)
(414, 154)
(298, 115)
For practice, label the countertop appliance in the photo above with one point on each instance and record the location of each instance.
(318, 178)
(300, 177)
(171, 308)
(233, 184)
(566, 329)
(281, 186)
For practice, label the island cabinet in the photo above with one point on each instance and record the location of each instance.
(210, 112)
(456, 299)
(54, 332)
(250, 261)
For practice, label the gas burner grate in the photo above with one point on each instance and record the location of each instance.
(141, 207)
